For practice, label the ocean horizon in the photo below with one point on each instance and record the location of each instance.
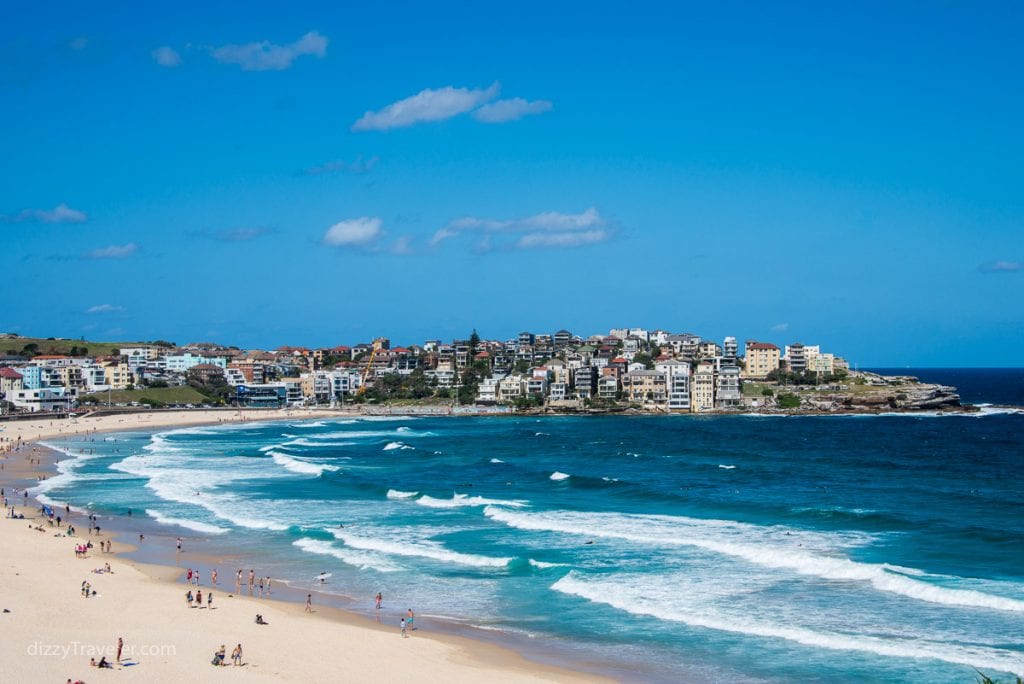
(654, 548)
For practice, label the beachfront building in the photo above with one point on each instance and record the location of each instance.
(762, 358)
(703, 388)
(678, 374)
(43, 399)
(646, 387)
(273, 394)
(10, 379)
(728, 391)
(796, 361)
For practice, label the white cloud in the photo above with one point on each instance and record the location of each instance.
(1003, 266)
(356, 166)
(104, 308)
(510, 110)
(166, 56)
(62, 213)
(266, 56)
(426, 105)
(780, 327)
(112, 252)
(578, 239)
(547, 229)
(357, 232)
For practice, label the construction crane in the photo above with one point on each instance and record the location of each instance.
(378, 344)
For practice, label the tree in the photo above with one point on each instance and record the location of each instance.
(474, 341)
(788, 401)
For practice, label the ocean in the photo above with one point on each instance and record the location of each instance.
(730, 548)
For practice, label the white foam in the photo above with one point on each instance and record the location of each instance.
(299, 466)
(391, 446)
(556, 476)
(304, 442)
(496, 460)
(794, 552)
(187, 524)
(726, 467)
(429, 550)
(460, 500)
(396, 494)
(637, 598)
(313, 424)
(363, 561)
(543, 564)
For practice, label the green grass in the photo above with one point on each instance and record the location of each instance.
(45, 346)
(164, 395)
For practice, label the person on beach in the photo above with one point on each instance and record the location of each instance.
(199, 598)
(188, 576)
(189, 598)
(404, 635)
(120, 645)
(409, 619)
(196, 578)
(268, 586)
(377, 600)
(236, 655)
(179, 541)
(260, 620)
(252, 580)
(218, 657)
(261, 587)
(209, 600)
(309, 603)
(213, 577)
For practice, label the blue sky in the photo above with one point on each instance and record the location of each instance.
(847, 174)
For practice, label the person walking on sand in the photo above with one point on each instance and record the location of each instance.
(209, 600)
(120, 645)
(199, 598)
(309, 603)
(236, 655)
(404, 635)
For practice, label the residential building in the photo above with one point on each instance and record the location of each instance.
(262, 395)
(703, 387)
(487, 392)
(43, 399)
(608, 387)
(730, 350)
(796, 361)
(728, 392)
(10, 379)
(646, 387)
(182, 363)
(761, 359)
(118, 374)
(678, 373)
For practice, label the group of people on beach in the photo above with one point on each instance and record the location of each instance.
(261, 583)
(198, 599)
(236, 656)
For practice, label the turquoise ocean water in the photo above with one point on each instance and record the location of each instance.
(736, 548)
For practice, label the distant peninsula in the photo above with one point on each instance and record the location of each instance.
(627, 371)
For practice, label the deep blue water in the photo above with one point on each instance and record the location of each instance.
(733, 548)
(975, 385)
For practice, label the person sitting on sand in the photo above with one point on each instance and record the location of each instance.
(218, 657)
(260, 620)
(103, 663)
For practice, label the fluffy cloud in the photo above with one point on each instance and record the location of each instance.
(547, 229)
(112, 252)
(1003, 266)
(357, 232)
(62, 213)
(166, 56)
(104, 308)
(510, 110)
(266, 56)
(357, 166)
(426, 105)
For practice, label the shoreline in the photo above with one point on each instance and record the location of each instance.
(453, 657)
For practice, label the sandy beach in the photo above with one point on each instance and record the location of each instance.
(52, 630)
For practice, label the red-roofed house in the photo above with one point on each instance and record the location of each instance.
(10, 379)
(761, 359)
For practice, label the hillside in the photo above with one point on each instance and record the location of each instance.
(16, 345)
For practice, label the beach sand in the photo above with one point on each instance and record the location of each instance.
(52, 631)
